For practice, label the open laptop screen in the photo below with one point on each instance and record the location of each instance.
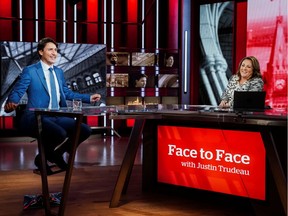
(249, 100)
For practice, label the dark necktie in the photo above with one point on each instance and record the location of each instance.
(54, 104)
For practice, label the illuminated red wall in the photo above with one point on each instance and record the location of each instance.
(240, 32)
(50, 27)
(6, 122)
(132, 29)
(6, 11)
(172, 33)
(92, 19)
(92, 121)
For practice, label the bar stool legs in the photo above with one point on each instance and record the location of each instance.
(65, 190)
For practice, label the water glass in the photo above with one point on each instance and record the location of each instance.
(77, 104)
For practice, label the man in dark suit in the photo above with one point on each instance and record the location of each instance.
(35, 80)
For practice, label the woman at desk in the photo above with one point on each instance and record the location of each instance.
(247, 78)
(46, 87)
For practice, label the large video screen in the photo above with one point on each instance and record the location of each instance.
(267, 35)
(84, 66)
(217, 160)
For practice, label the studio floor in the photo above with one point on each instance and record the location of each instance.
(96, 167)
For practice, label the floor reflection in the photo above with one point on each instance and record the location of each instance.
(18, 153)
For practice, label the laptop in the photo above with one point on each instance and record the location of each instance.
(249, 101)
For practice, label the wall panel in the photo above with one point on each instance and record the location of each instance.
(172, 23)
(28, 20)
(60, 21)
(132, 27)
(93, 25)
(120, 29)
(70, 23)
(150, 26)
(240, 32)
(49, 19)
(80, 23)
(168, 30)
(6, 22)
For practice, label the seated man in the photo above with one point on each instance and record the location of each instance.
(46, 87)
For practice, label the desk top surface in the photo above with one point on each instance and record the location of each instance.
(176, 110)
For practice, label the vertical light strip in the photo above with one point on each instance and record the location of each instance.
(112, 126)
(185, 62)
(105, 21)
(112, 25)
(157, 24)
(143, 25)
(104, 120)
(20, 21)
(157, 42)
(112, 91)
(64, 21)
(112, 42)
(75, 23)
(142, 45)
(36, 22)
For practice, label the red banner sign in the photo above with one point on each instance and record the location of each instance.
(225, 161)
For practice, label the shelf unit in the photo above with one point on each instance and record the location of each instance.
(161, 68)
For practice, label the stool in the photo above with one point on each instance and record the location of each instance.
(45, 190)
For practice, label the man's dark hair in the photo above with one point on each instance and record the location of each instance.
(42, 43)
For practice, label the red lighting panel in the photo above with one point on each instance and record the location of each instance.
(50, 17)
(130, 122)
(92, 121)
(6, 11)
(225, 161)
(132, 15)
(92, 19)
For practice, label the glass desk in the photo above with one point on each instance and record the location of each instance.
(202, 116)
(147, 116)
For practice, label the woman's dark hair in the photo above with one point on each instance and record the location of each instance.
(42, 43)
(134, 78)
(255, 66)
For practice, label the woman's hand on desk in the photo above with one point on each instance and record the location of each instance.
(224, 104)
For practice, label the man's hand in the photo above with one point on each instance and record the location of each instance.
(95, 98)
(9, 107)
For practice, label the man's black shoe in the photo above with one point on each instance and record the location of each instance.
(59, 161)
(37, 162)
